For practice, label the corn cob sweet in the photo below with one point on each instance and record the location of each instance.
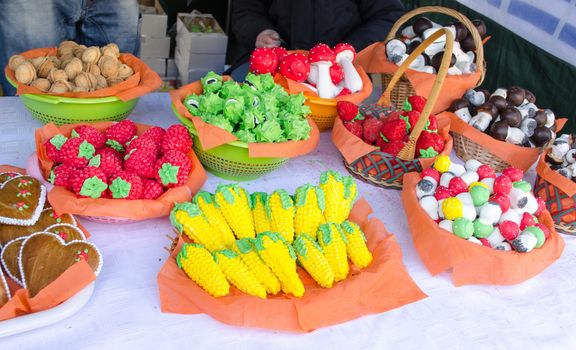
(238, 274)
(260, 213)
(281, 209)
(356, 244)
(235, 206)
(350, 194)
(310, 255)
(199, 265)
(333, 243)
(188, 218)
(206, 203)
(245, 248)
(280, 257)
(333, 186)
(309, 202)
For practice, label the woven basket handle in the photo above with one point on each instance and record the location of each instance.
(407, 153)
(454, 14)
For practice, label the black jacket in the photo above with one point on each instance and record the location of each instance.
(304, 23)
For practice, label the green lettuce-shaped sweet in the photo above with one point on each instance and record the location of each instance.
(266, 82)
(233, 109)
(245, 136)
(269, 131)
(219, 121)
(297, 129)
(254, 82)
(193, 103)
(211, 82)
(212, 104)
(269, 103)
(230, 89)
(295, 105)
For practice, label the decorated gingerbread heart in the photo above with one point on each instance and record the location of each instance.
(9, 259)
(47, 218)
(45, 256)
(4, 290)
(21, 201)
(5, 176)
(67, 232)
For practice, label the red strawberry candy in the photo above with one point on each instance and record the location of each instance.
(411, 118)
(485, 171)
(527, 220)
(156, 132)
(509, 230)
(146, 142)
(371, 130)
(60, 175)
(126, 185)
(417, 102)
(172, 169)
(346, 110)
(344, 92)
(177, 138)
(513, 173)
(503, 185)
(263, 60)
(502, 199)
(140, 162)
(393, 130)
(393, 147)
(53, 147)
(433, 173)
(541, 206)
(428, 145)
(89, 182)
(354, 127)
(107, 160)
(439, 142)
(442, 193)
(544, 229)
(90, 134)
(457, 186)
(152, 189)
(432, 123)
(485, 242)
(118, 134)
(336, 73)
(76, 152)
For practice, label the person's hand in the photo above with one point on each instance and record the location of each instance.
(268, 38)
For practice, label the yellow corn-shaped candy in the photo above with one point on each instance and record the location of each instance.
(281, 209)
(206, 203)
(235, 206)
(309, 202)
(333, 243)
(199, 265)
(280, 257)
(260, 212)
(244, 247)
(188, 218)
(333, 188)
(238, 274)
(356, 244)
(310, 255)
(350, 194)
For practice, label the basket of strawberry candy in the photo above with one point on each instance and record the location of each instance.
(117, 172)
(487, 227)
(325, 75)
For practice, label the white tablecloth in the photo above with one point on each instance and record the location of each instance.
(124, 312)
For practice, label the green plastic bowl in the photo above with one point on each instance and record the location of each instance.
(69, 110)
(231, 161)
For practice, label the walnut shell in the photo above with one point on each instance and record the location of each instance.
(91, 68)
(57, 74)
(91, 55)
(111, 50)
(85, 80)
(108, 66)
(45, 68)
(73, 68)
(41, 84)
(60, 87)
(25, 73)
(114, 81)
(55, 60)
(37, 61)
(79, 50)
(64, 60)
(124, 71)
(15, 61)
(101, 82)
(66, 48)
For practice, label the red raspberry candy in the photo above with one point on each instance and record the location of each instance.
(513, 173)
(53, 147)
(156, 132)
(442, 193)
(433, 173)
(503, 185)
(509, 230)
(90, 134)
(502, 199)
(485, 171)
(152, 189)
(457, 186)
(177, 138)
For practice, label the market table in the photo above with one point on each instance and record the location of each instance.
(124, 311)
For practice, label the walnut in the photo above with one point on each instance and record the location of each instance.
(45, 68)
(57, 74)
(91, 68)
(64, 60)
(41, 84)
(60, 87)
(15, 61)
(25, 73)
(108, 66)
(85, 80)
(79, 50)
(91, 54)
(124, 71)
(55, 60)
(114, 81)
(101, 82)
(111, 50)
(67, 48)
(73, 68)
(79, 89)
(37, 61)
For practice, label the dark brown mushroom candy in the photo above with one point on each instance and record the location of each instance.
(437, 59)
(461, 31)
(413, 45)
(542, 135)
(511, 116)
(554, 127)
(485, 92)
(480, 26)
(528, 125)
(421, 24)
(529, 95)
(499, 130)
(467, 44)
(540, 118)
(499, 101)
(489, 108)
(459, 104)
(516, 95)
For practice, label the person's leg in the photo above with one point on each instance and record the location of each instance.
(239, 73)
(111, 21)
(29, 24)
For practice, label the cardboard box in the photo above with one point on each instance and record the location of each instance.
(154, 47)
(186, 60)
(154, 25)
(192, 75)
(193, 41)
(156, 64)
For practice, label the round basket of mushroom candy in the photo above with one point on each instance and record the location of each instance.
(502, 128)
(74, 83)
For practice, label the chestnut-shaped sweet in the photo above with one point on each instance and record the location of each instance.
(498, 101)
(499, 130)
(421, 24)
(511, 116)
(542, 135)
(516, 95)
(529, 95)
(480, 26)
(413, 45)
(461, 31)
(490, 108)
(540, 117)
(467, 44)
(437, 59)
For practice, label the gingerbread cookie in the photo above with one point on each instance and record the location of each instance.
(21, 201)
(5, 176)
(9, 259)
(45, 256)
(4, 290)
(47, 218)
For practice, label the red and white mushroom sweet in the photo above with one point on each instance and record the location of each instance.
(345, 54)
(263, 60)
(322, 57)
(295, 66)
(337, 74)
(280, 52)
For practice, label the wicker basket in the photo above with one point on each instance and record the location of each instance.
(386, 170)
(403, 88)
(467, 149)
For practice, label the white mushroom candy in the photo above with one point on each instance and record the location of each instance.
(345, 55)
(440, 212)
(559, 150)
(525, 242)
(566, 172)
(418, 62)
(469, 177)
(437, 45)
(532, 205)
(456, 169)
(476, 98)
(468, 66)
(528, 125)
(426, 187)
(490, 213)
(446, 225)
(527, 110)
(430, 206)
(518, 198)
(395, 50)
(408, 32)
(481, 121)
(465, 198)
(570, 156)
(515, 136)
(505, 246)
(489, 182)
(425, 69)
(445, 178)
(550, 118)
(472, 165)
(454, 71)
(500, 92)
(495, 237)
(474, 240)
(469, 212)
(511, 215)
